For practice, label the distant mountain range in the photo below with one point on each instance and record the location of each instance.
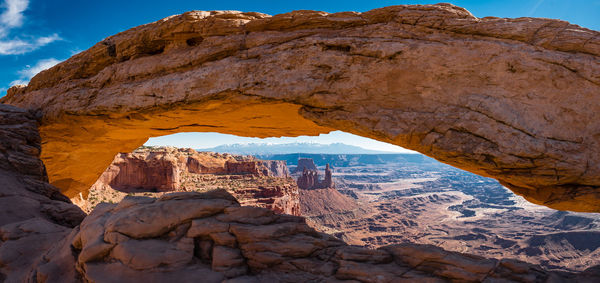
(265, 149)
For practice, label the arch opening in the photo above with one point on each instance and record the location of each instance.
(482, 99)
(371, 198)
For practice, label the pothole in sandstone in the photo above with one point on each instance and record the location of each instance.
(365, 196)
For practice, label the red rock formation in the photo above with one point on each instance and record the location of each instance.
(34, 215)
(24, 191)
(272, 168)
(283, 199)
(486, 95)
(277, 168)
(181, 237)
(309, 180)
(159, 169)
(252, 182)
(129, 173)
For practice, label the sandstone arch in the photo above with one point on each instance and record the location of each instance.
(514, 99)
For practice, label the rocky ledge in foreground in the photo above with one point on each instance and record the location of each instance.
(182, 237)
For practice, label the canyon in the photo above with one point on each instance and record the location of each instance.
(485, 95)
(512, 99)
(384, 199)
(410, 198)
(195, 236)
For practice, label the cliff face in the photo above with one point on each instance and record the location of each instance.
(160, 169)
(131, 173)
(147, 171)
(485, 95)
(277, 168)
(272, 168)
(34, 215)
(24, 191)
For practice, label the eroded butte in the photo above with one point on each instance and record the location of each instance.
(513, 99)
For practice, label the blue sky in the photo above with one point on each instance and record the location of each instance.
(37, 34)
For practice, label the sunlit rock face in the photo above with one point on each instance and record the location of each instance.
(309, 180)
(160, 169)
(154, 171)
(514, 99)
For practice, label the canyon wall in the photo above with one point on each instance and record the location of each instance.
(24, 191)
(153, 171)
(160, 169)
(512, 99)
(271, 168)
(277, 168)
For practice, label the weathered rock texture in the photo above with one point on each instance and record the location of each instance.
(514, 99)
(271, 168)
(34, 216)
(153, 171)
(24, 191)
(309, 180)
(160, 169)
(185, 237)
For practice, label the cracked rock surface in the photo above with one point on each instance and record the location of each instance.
(34, 216)
(513, 99)
(221, 241)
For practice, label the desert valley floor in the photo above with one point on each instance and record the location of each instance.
(383, 199)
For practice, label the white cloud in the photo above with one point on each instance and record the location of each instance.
(13, 13)
(26, 74)
(41, 65)
(18, 82)
(19, 46)
(12, 17)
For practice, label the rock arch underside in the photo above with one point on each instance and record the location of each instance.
(513, 99)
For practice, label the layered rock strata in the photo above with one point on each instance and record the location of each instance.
(153, 171)
(271, 168)
(34, 215)
(160, 169)
(513, 99)
(24, 191)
